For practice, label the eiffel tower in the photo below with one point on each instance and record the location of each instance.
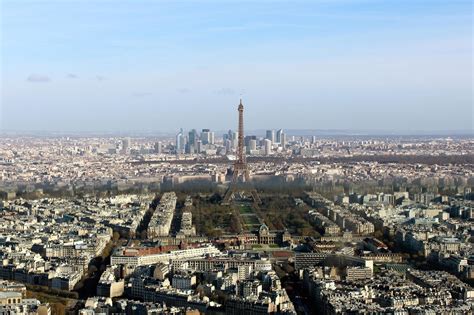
(240, 178)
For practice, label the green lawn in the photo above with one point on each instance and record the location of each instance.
(251, 220)
(245, 209)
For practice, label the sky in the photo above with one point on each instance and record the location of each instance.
(114, 65)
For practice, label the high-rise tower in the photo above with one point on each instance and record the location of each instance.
(270, 135)
(180, 142)
(241, 172)
(126, 146)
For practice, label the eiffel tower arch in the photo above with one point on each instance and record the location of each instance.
(240, 185)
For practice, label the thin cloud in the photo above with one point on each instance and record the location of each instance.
(184, 91)
(100, 78)
(235, 28)
(225, 91)
(38, 78)
(71, 76)
(141, 94)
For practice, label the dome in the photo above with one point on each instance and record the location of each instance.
(263, 229)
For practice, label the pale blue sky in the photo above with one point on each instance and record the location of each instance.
(161, 65)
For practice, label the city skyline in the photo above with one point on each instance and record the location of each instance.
(324, 133)
(161, 66)
(236, 157)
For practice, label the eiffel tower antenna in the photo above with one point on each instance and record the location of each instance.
(241, 172)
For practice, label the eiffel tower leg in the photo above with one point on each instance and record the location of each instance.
(255, 196)
(246, 176)
(229, 194)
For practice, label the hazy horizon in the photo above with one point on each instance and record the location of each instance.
(328, 133)
(146, 66)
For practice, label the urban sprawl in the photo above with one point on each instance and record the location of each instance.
(136, 225)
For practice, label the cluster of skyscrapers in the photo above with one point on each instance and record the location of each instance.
(273, 139)
(193, 142)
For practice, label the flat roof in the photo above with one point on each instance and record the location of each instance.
(6, 294)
